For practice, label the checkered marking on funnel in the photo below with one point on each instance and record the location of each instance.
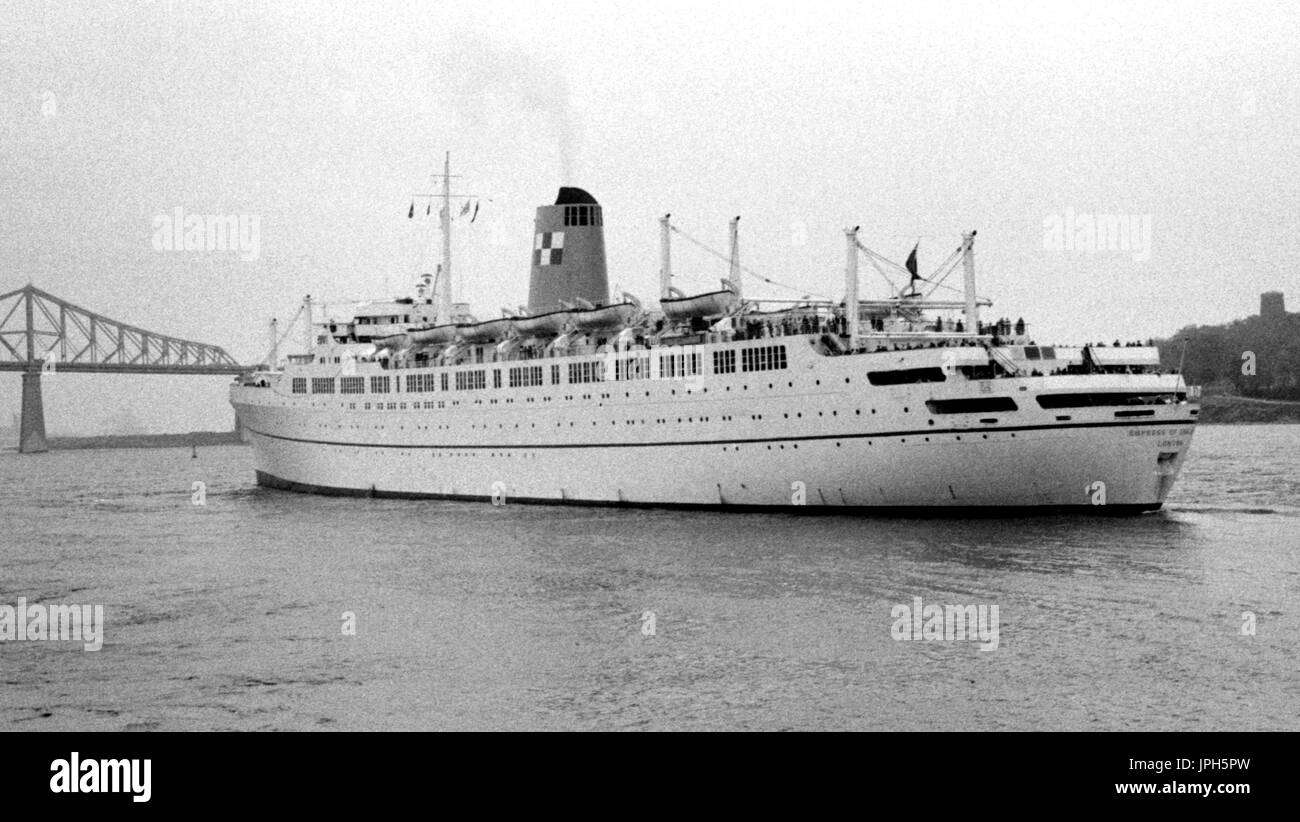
(548, 248)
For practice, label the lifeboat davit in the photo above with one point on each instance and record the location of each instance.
(546, 325)
(484, 332)
(606, 317)
(679, 307)
(448, 355)
(433, 335)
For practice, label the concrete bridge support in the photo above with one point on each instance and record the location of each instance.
(31, 436)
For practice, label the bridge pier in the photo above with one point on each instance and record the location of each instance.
(31, 432)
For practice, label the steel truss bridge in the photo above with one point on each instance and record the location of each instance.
(42, 334)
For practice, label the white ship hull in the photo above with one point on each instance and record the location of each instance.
(817, 434)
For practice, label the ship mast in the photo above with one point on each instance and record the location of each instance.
(851, 301)
(665, 257)
(968, 266)
(308, 337)
(734, 272)
(444, 303)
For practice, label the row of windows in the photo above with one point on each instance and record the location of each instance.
(471, 380)
(416, 383)
(1004, 404)
(724, 362)
(764, 358)
(399, 406)
(679, 365)
(671, 366)
(586, 372)
(583, 215)
(971, 405)
(906, 376)
(352, 385)
(525, 376)
(632, 368)
(936, 407)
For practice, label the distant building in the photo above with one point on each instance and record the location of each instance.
(1272, 306)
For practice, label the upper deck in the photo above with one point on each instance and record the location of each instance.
(908, 338)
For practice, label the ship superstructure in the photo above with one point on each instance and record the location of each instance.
(906, 403)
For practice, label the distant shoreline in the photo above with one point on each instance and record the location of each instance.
(194, 438)
(1222, 409)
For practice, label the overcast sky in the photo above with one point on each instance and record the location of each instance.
(916, 121)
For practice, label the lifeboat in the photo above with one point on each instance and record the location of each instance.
(484, 332)
(678, 306)
(433, 335)
(606, 317)
(774, 316)
(393, 342)
(546, 325)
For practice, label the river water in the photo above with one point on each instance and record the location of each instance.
(233, 614)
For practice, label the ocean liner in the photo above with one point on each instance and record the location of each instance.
(712, 400)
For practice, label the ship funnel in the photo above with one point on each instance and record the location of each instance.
(568, 253)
